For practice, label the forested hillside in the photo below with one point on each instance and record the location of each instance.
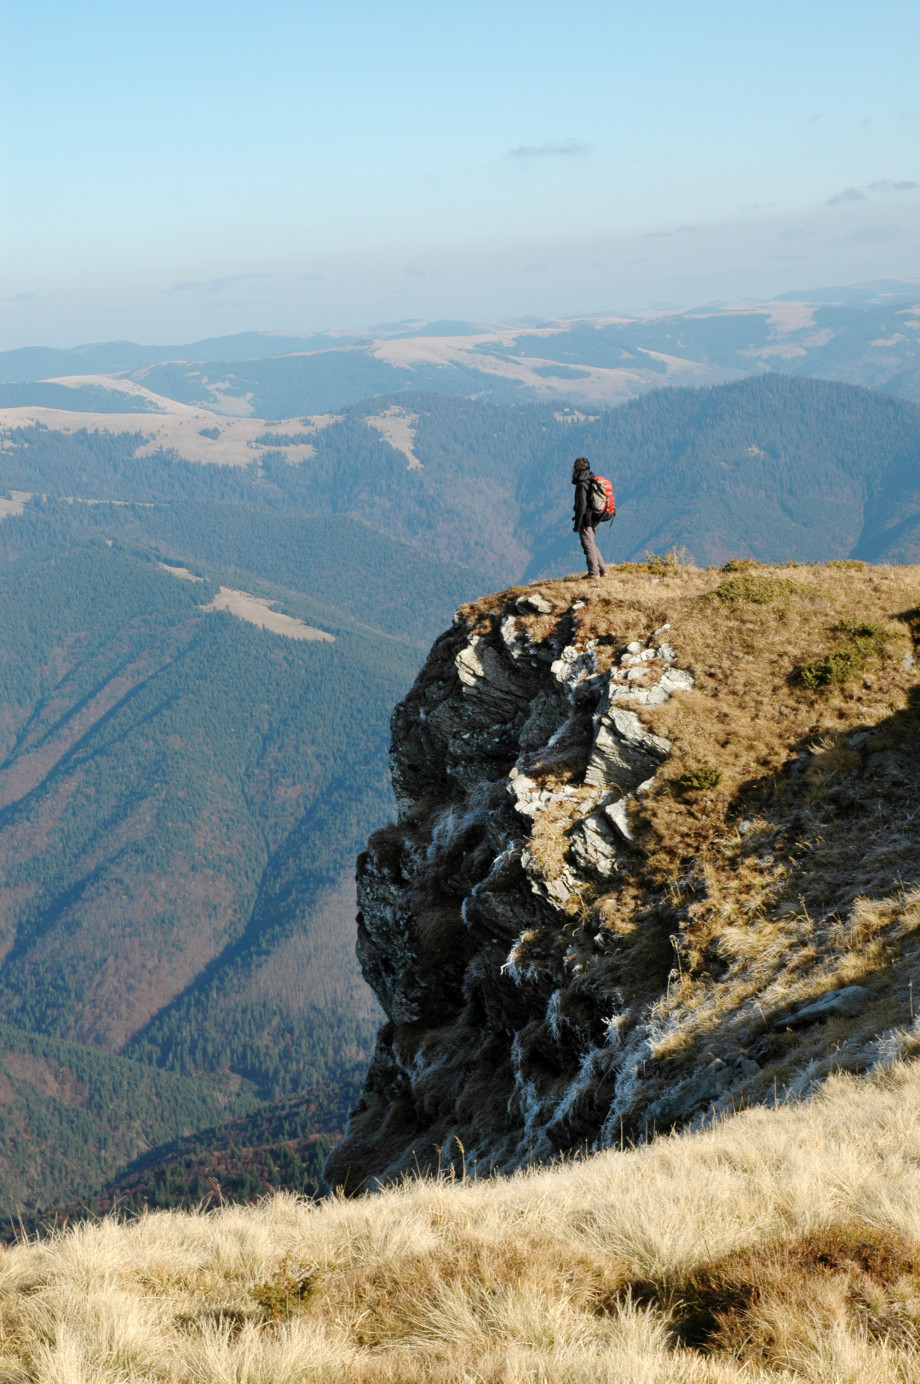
(281, 1146)
(346, 538)
(72, 1114)
(397, 527)
(182, 796)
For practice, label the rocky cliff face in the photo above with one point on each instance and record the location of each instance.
(621, 894)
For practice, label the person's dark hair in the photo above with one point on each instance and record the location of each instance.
(582, 467)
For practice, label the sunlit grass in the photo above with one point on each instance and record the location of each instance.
(778, 1245)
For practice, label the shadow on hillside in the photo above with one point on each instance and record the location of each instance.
(844, 813)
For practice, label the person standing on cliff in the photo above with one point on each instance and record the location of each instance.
(585, 520)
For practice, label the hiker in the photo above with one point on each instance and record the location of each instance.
(593, 505)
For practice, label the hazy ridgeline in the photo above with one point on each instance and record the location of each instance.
(864, 335)
(186, 794)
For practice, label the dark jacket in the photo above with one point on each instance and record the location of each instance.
(584, 515)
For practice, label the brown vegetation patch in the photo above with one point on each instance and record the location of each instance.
(258, 611)
(45, 1075)
(756, 1302)
(385, 1303)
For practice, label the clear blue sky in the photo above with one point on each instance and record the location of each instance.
(174, 171)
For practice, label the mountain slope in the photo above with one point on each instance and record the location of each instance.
(174, 823)
(71, 1117)
(350, 533)
(281, 1146)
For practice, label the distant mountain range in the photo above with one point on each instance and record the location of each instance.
(867, 335)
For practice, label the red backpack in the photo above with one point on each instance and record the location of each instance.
(600, 498)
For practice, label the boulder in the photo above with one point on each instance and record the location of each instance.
(534, 603)
(845, 1002)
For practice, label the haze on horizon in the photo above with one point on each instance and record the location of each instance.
(173, 174)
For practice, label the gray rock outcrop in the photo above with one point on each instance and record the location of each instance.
(526, 978)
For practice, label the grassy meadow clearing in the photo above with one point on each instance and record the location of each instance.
(777, 1245)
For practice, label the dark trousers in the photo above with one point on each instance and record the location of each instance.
(588, 539)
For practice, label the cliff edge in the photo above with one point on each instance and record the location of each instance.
(657, 857)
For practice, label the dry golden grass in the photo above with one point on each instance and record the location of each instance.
(779, 1245)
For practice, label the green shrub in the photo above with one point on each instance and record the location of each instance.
(749, 588)
(864, 641)
(739, 564)
(285, 1293)
(833, 669)
(700, 779)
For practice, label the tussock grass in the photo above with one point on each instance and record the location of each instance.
(779, 1245)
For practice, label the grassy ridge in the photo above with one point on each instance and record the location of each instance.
(778, 1246)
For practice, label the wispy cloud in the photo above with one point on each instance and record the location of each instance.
(20, 298)
(565, 148)
(858, 194)
(656, 235)
(213, 285)
(849, 194)
(890, 185)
